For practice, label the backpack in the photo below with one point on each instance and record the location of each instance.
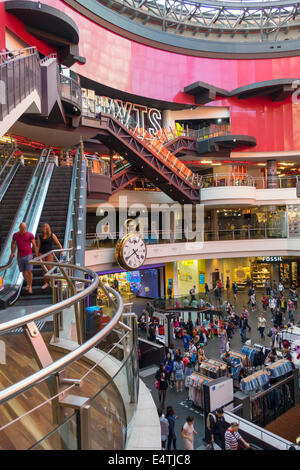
(208, 423)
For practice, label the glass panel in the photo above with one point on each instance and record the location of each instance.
(64, 437)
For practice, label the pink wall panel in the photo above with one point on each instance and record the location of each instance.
(145, 71)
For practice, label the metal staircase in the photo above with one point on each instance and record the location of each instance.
(157, 163)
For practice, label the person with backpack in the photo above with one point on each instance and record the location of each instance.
(216, 425)
(233, 439)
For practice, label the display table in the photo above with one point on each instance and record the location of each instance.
(291, 334)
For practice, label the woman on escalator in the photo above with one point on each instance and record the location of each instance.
(45, 244)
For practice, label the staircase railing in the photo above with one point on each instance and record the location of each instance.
(111, 372)
(19, 75)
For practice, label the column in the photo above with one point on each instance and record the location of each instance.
(272, 179)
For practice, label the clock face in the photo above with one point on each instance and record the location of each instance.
(133, 252)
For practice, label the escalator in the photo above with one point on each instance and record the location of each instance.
(123, 175)
(55, 195)
(156, 162)
(12, 199)
(54, 213)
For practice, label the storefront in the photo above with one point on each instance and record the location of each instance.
(146, 282)
(254, 270)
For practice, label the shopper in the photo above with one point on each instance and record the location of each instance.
(293, 295)
(206, 295)
(186, 302)
(234, 289)
(253, 301)
(268, 287)
(224, 339)
(45, 244)
(264, 302)
(217, 427)
(246, 318)
(168, 363)
(161, 378)
(178, 373)
(261, 325)
(188, 433)
(243, 325)
(193, 294)
(291, 309)
(280, 288)
(272, 305)
(186, 338)
(25, 242)
(170, 416)
(164, 428)
(233, 439)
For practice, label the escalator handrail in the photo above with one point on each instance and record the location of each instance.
(8, 180)
(42, 160)
(2, 169)
(71, 207)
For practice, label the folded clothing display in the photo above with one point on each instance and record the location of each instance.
(235, 364)
(213, 368)
(256, 381)
(279, 368)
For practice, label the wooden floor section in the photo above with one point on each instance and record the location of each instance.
(108, 417)
(287, 425)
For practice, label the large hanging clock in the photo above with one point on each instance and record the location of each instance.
(131, 252)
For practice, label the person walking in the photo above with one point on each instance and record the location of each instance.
(264, 302)
(193, 294)
(243, 324)
(25, 242)
(272, 305)
(233, 439)
(164, 428)
(246, 318)
(224, 339)
(178, 368)
(186, 338)
(206, 294)
(188, 432)
(44, 245)
(261, 325)
(170, 416)
(293, 295)
(217, 428)
(291, 309)
(235, 289)
(268, 287)
(161, 378)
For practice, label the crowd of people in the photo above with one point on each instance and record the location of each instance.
(180, 362)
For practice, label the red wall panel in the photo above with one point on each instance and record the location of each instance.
(16, 26)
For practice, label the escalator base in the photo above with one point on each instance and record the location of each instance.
(6, 296)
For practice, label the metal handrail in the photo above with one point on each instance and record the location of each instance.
(23, 385)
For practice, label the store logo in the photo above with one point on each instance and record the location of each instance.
(2, 92)
(296, 93)
(271, 259)
(172, 222)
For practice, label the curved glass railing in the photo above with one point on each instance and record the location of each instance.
(70, 389)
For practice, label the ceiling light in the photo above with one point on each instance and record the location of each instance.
(206, 161)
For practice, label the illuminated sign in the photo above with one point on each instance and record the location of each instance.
(132, 115)
(270, 259)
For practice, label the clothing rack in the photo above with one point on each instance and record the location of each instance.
(195, 382)
(255, 355)
(279, 368)
(255, 381)
(213, 368)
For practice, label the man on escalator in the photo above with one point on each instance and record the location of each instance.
(25, 242)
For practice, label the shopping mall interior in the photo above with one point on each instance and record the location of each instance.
(149, 225)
